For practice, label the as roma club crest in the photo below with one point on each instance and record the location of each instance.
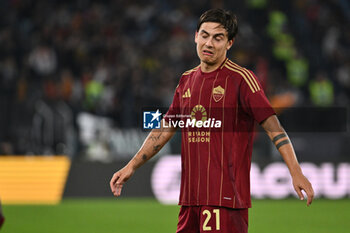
(218, 93)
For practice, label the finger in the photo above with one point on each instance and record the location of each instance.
(119, 188)
(300, 194)
(310, 196)
(309, 200)
(114, 179)
(118, 185)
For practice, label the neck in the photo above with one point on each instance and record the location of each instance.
(206, 67)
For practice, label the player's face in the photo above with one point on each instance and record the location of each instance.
(212, 43)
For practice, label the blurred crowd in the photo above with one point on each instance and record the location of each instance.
(111, 58)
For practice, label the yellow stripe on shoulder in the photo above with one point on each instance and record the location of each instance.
(224, 63)
(190, 71)
(251, 78)
(243, 75)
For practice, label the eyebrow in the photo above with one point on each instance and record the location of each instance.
(215, 35)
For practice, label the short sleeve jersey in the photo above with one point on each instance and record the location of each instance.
(216, 161)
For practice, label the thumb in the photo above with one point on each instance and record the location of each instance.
(300, 194)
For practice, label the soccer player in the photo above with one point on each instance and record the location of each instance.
(215, 182)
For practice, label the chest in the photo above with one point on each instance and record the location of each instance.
(210, 92)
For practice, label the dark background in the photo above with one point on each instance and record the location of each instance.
(75, 75)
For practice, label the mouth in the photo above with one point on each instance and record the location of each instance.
(208, 52)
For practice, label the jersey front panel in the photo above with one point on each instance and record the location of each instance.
(216, 161)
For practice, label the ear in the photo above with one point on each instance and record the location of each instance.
(230, 43)
(196, 37)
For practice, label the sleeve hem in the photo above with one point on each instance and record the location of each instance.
(265, 116)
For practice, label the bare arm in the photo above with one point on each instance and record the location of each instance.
(281, 140)
(156, 139)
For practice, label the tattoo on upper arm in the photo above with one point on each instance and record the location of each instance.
(282, 135)
(284, 142)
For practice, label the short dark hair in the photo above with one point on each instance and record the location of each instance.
(226, 18)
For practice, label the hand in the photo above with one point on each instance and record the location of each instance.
(119, 178)
(300, 182)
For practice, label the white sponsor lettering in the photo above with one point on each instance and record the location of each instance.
(335, 181)
(274, 181)
(276, 177)
(166, 178)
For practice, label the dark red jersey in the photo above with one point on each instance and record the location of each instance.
(216, 160)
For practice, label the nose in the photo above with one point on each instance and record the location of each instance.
(209, 43)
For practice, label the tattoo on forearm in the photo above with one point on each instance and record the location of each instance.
(155, 138)
(284, 142)
(156, 148)
(144, 157)
(282, 135)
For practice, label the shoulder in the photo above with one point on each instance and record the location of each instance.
(189, 72)
(186, 75)
(243, 75)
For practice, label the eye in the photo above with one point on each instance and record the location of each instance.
(218, 38)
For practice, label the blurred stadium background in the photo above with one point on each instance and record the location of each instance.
(75, 75)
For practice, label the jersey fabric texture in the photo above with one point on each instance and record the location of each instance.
(216, 161)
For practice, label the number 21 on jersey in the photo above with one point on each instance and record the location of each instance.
(208, 214)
